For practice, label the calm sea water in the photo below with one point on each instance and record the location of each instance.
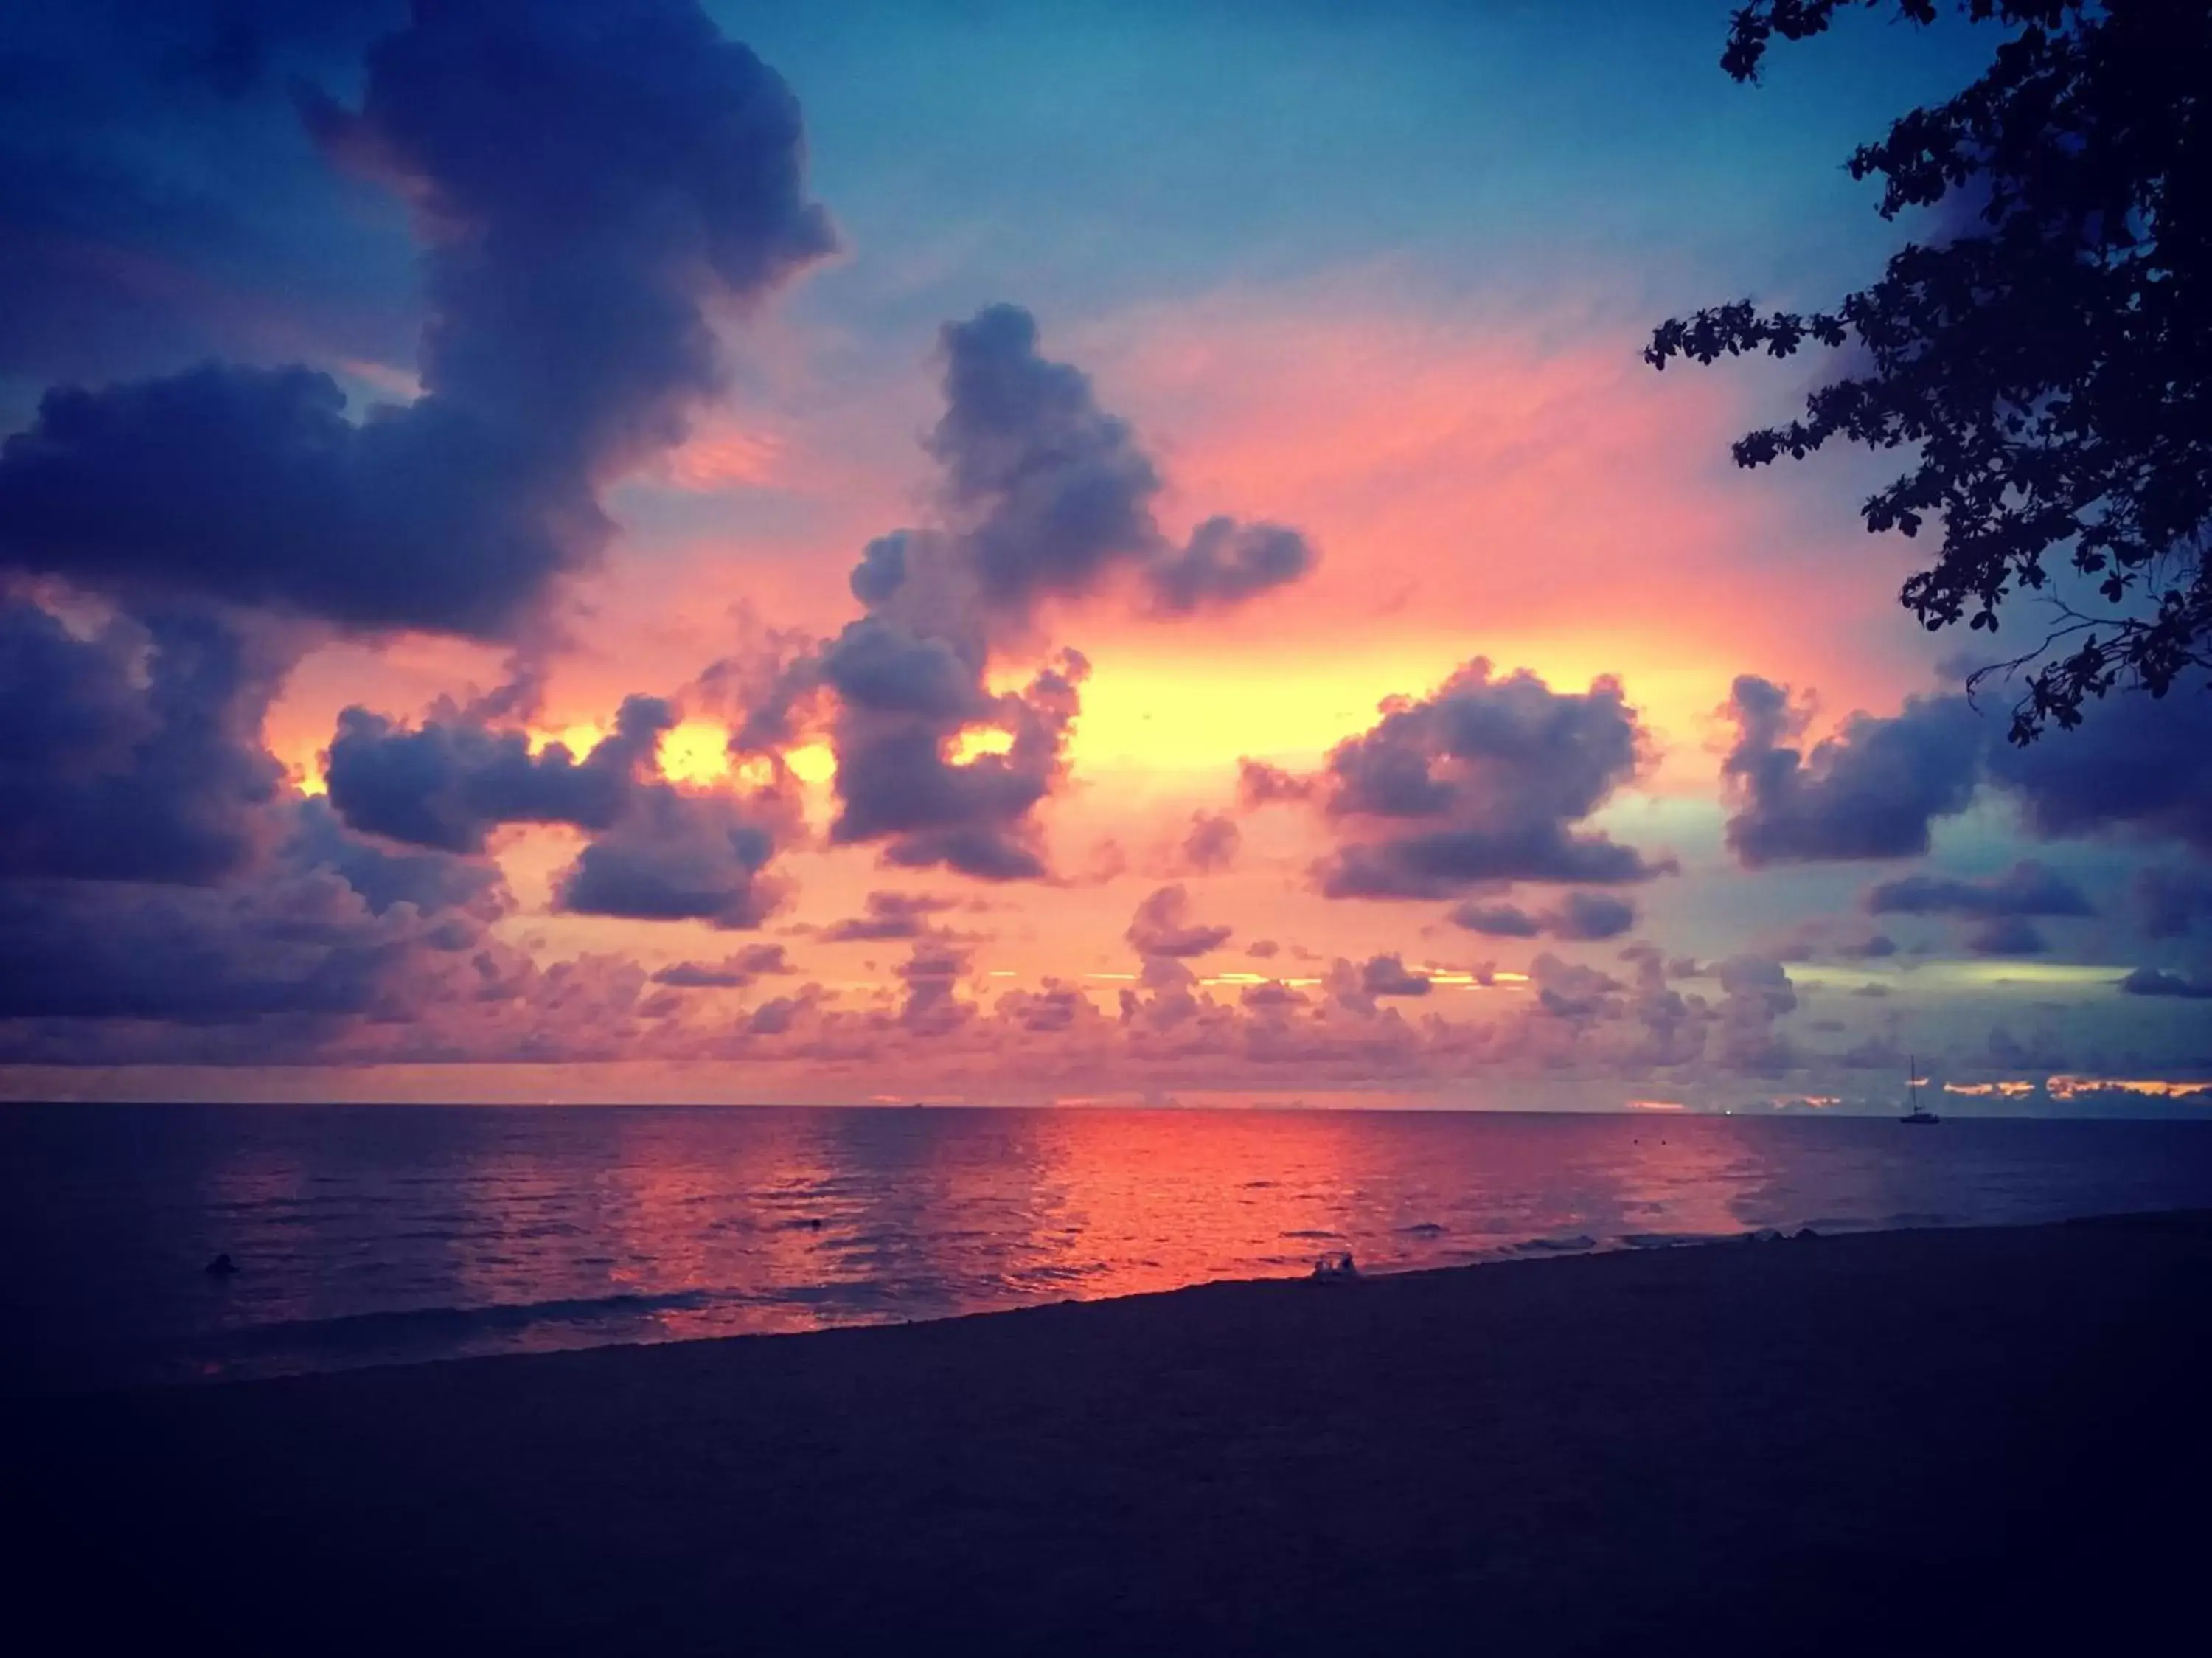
(374, 1234)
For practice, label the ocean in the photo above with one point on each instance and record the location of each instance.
(373, 1234)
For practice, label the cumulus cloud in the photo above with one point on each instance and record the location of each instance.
(1485, 780)
(2152, 981)
(903, 701)
(778, 1014)
(431, 883)
(2143, 769)
(2028, 888)
(1212, 844)
(655, 852)
(590, 186)
(2001, 905)
(1496, 920)
(1259, 783)
(1056, 1009)
(1387, 975)
(588, 182)
(1585, 917)
(889, 916)
(1758, 995)
(330, 929)
(1672, 1029)
(1875, 789)
(1872, 791)
(932, 975)
(1573, 989)
(1045, 489)
(1042, 495)
(131, 751)
(678, 856)
(450, 782)
(1046, 494)
(1225, 563)
(1163, 927)
(1592, 915)
(732, 971)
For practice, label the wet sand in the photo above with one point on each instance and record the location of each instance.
(1992, 1439)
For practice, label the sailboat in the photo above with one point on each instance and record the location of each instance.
(1915, 1111)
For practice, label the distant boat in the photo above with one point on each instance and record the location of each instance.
(1915, 1111)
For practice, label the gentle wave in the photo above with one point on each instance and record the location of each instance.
(381, 1235)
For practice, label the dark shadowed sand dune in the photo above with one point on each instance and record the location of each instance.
(1989, 1440)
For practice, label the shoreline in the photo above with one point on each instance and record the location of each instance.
(1526, 1252)
(1822, 1440)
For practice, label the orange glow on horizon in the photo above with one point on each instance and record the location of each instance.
(2065, 1086)
(2156, 1087)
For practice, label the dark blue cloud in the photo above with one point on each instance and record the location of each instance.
(1496, 920)
(2172, 900)
(158, 197)
(2028, 888)
(674, 856)
(1046, 490)
(328, 929)
(132, 750)
(1877, 786)
(1045, 494)
(1042, 495)
(1225, 563)
(2151, 981)
(589, 179)
(448, 783)
(1485, 780)
(655, 853)
(1580, 916)
(1592, 915)
(2141, 768)
(1872, 791)
(904, 698)
(891, 915)
(430, 882)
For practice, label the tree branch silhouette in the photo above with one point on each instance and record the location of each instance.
(2045, 353)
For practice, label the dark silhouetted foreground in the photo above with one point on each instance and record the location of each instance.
(1974, 1441)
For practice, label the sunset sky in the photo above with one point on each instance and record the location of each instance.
(1008, 553)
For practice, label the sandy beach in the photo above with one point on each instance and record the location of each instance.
(1899, 1442)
